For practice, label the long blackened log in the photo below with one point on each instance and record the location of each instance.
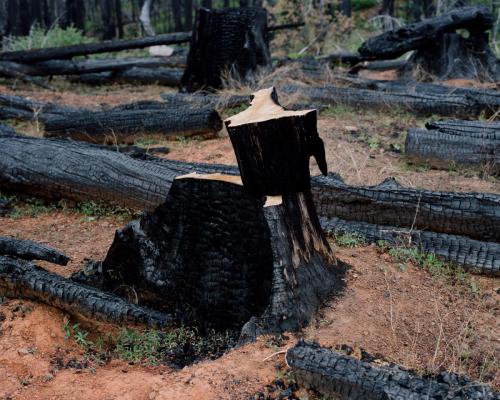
(22, 108)
(448, 143)
(55, 53)
(343, 377)
(78, 67)
(393, 44)
(12, 71)
(476, 215)
(6, 130)
(482, 257)
(419, 103)
(22, 279)
(479, 100)
(123, 125)
(29, 250)
(228, 41)
(145, 76)
(205, 99)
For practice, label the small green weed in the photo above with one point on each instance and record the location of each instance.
(338, 111)
(229, 112)
(349, 240)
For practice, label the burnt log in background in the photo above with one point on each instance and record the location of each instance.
(22, 108)
(143, 76)
(67, 52)
(447, 143)
(335, 374)
(395, 43)
(227, 41)
(123, 125)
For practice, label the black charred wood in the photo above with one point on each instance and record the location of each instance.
(455, 57)
(67, 52)
(15, 72)
(204, 99)
(196, 253)
(227, 41)
(5, 207)
(477, 256)
(395, 43)
(476, 215)
(380, 65)
(418, 103)
(124, 125)
(22, 279)
(22, 108)
(78, 67)
(273, 146)
(343, 377)
(144, 76)
(29, 250)
(6, 130)
(448, 143)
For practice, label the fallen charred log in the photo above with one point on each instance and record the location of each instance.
(335, 374)
(205, 99)
(482, 257)
(144, 76)
(23, 108)
(22, 279)
(5, 207)
(71, 67)
(476, 215)
(82, 171)
(479, 100)
(448, 143)
(29, 250)
(231, 40)
(55, 53)
(122, 126)
(12, 71)
(419, 103)
(393, 44)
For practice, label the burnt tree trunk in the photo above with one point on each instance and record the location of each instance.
(196, 252)
(337, 375)
(117, 126)
(144, 76)
(455, 57)
(229, 41)
(393, 44)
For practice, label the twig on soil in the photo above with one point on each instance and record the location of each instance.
(275, 354)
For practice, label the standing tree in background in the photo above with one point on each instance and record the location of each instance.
(345, 8)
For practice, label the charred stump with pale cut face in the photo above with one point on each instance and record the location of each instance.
(216, 253)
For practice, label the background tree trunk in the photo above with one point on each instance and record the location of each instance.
(346, 8)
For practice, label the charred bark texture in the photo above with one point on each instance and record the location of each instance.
(6, 130)
(456, 142)
(335, 374)
(22, 279)
(196, 253)
(455, 57)
(144, 76)
(71, 67)
(29, 250)
(273, 146)
(204, 99)
(476, 215)
(55, 53)
(224, 41)
(123, 125)
(23, 108)
(393, 44)
(419, 103)
(481, 257)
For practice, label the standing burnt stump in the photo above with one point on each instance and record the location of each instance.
(227, 41)
(218, 255)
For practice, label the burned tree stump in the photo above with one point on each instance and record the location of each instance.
(273, 146)
(228, 41)
(221, 254)
(439, 50)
